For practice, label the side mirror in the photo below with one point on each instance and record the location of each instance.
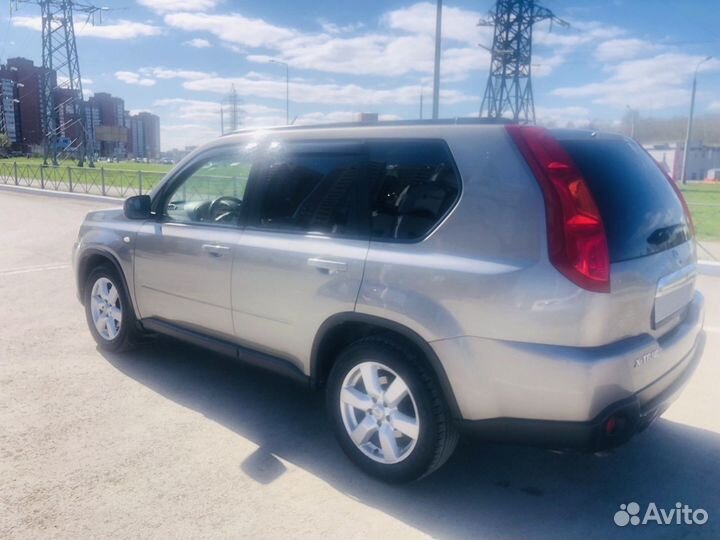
(137, 207)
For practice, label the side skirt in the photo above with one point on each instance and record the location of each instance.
(226, 348)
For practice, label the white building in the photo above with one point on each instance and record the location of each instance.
(701, 159)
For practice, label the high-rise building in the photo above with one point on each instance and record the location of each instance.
(8, 108)
(144, 136)
(67, 120)
(110, 129)
(110, 133)
(92, 121)
(28, 85)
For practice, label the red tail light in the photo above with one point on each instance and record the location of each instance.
(577, 243)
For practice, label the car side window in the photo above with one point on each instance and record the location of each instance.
(213, 192)
(413, 184)
(313, 192)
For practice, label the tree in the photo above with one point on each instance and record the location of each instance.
(4, 141)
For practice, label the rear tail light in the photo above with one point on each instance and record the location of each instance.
(688, 216)
(577, 243)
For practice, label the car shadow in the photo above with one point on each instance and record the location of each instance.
(485, 490)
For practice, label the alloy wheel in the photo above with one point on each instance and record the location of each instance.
(106, 308)
(379, 412)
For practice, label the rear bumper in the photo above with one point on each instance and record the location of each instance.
(495, 379)
(628, 416)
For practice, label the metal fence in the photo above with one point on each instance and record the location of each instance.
(99, 181)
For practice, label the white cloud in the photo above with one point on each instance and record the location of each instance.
(232, 27)
(457, 24)
(130, 77)
(308, 92)
(404, 44)
(714, 106)
(543, 66)
(121, 29)
(186, 134)
(200, 120)
(164, 73)
(651, 83)
(563, 116)
(199, 43)
(332, 28)
(147, 76)
(579, 33)
(190, 109)
(166, 6)
(623, 49)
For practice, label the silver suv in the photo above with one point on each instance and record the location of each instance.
(527, 285)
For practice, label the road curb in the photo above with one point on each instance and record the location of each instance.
(709, 268)
(64, 194)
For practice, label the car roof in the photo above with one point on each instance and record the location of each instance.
(379, 124)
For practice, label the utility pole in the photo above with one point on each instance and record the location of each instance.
(509, 85)
(688, 136)
(633, 115)
(436, 75)
(222, 119)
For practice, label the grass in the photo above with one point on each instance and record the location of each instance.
(704, 203)
(121, 179)
(123, 165)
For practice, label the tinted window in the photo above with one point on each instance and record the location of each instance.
(313, 192)
(212, 191)
(640, 210)
(413, 185)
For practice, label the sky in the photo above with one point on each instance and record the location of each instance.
(179, 58)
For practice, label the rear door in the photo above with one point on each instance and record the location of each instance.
(301, 256)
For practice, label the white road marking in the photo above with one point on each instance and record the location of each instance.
(37, 268)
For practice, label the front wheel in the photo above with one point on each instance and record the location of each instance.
(387, 411)
(109, 313)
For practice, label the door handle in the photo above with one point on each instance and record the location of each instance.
(215, 250)
(326, 265)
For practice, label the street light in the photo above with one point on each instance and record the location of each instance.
(287, 88)
(690, 120)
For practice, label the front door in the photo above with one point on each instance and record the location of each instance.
(183, 259)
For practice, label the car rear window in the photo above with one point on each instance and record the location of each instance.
(640, 210)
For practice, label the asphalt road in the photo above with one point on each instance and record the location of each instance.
(175, 442)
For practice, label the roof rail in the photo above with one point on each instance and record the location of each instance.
(440, 122)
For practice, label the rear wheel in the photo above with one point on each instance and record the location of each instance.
(388, 412)
(109, 313)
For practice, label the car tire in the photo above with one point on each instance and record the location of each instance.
(109, 312)
(397, 427)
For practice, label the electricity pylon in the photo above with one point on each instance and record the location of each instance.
(235, 113)
(61, 76)
(509, 85)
